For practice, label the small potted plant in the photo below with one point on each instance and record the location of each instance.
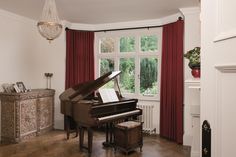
(194, 61)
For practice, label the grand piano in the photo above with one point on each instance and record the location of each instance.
(87, 110)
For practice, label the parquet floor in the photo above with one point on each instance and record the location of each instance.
(54, 144)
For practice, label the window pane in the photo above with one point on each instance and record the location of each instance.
(107, 45)
(127, 44)
(107, 65)
(148, 76)
(149, 43)
(127, 67)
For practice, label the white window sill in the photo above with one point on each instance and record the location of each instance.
(142, 98)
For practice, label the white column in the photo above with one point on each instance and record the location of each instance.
(191, 40)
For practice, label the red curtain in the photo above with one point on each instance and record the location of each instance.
(171, 98)
(79, 57)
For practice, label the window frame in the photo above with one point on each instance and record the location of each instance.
(137, 55)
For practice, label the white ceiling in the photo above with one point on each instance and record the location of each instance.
(100, 11)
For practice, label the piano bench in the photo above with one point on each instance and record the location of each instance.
(128, 136)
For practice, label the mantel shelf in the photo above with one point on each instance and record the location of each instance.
(193, 83)
(194, 87)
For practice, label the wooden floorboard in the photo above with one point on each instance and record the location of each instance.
(54, 144)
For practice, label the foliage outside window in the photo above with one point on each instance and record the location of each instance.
(107, 45)
(148, 76)
(127, 66)
(107, 65)
(127, 44)
(149, 43)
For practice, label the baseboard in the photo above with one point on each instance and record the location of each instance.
(59, 124)
(187, 140)
(195, 154)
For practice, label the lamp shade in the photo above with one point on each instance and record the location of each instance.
(49, 25)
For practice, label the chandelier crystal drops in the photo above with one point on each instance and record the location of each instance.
(49, 25)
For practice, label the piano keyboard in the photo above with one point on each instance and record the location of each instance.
(117, 116)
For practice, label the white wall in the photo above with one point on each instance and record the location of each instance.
(26, 56)
(17, 42)
(191, 40)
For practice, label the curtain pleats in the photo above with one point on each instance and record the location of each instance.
(79, 57)
(171, 98)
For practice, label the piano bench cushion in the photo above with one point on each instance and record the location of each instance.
(128, 136)
(128, 125)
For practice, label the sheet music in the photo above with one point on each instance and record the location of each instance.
(108, 95)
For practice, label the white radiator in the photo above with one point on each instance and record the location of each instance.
(147, 118)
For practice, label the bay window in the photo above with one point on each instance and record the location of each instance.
(137, 54)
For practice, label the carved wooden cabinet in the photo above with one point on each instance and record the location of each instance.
(25, 115)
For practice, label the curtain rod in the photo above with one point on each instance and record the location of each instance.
(121, 29)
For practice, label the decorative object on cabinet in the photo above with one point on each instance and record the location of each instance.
(194, 61)
(8, 87)
(48, 79)
(21, 86)
(16, 88)
(25, 115)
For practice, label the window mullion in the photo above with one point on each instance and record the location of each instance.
(97, 55)
(137, 66)
(116, 54)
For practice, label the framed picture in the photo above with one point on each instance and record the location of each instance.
(8, 88)
(21, 86)
(16, 88)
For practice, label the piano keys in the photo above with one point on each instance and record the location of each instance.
(88, 111)
(117, 116)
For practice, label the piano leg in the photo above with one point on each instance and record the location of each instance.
(67, 127)
(77, 131)
(111, 134)
(106, 143)
(68, 123)
(81, 137)
(90, 140)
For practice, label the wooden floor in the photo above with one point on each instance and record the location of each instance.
(54, 144)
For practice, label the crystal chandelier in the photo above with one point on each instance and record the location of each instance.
(49, 25)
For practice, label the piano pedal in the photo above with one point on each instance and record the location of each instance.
(68, 134)
(82, 148)
(106, 144)
(76, 133)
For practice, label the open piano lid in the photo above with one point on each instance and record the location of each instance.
(77, 93)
